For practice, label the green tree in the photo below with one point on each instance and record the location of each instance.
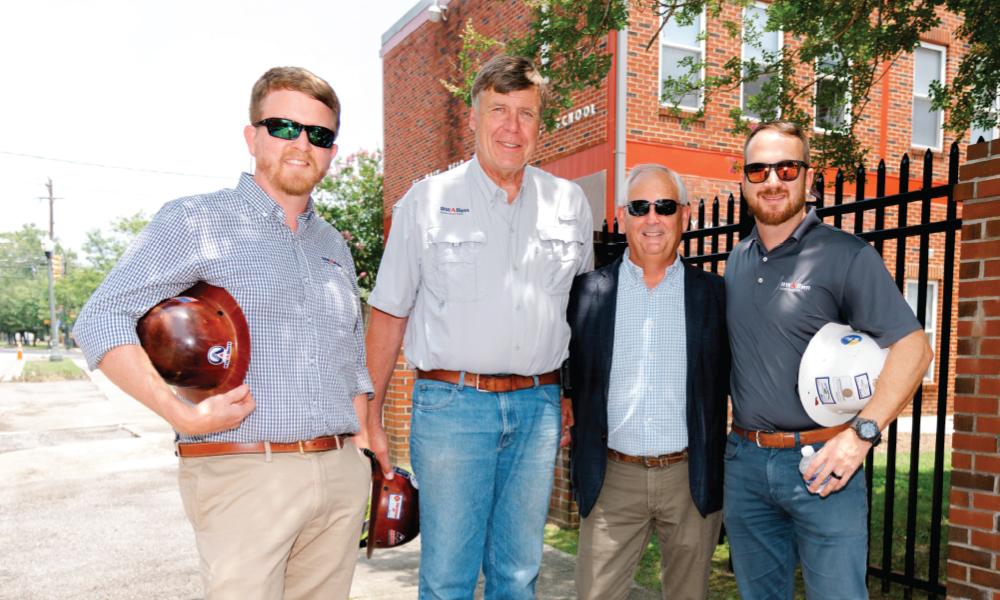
(350, 198)
(24, 303)
(848, 45)
(104, 249)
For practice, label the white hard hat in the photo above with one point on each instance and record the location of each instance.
(838, 374)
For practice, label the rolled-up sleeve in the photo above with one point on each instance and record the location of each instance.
(399, 271)
(159, 263)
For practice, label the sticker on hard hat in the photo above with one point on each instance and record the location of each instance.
(396, 537)
(850, 340)
(823, 390)
(395, 508)
(864, 385)
(219, 355)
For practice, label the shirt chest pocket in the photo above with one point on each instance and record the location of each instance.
(454, 263)
(562, 251)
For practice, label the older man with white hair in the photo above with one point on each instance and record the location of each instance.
(649, 373)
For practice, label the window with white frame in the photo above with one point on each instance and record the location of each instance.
(930, 323)
(928, 66)
(987, 134)
(832, 96)
(677, 43)
(754, 22)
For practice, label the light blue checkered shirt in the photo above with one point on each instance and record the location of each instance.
(647, 395)
(298, 292)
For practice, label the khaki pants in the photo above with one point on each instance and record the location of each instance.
(634, 501)
(278, 526)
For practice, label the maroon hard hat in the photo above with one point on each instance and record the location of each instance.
(394, 516)
(198, 341)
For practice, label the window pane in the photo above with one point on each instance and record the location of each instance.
(976, 133)
(831, 105)
(671, 67)
(686, 35)
(751, 89)
(926, 68)
(926, 123)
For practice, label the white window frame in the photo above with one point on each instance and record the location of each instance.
(781, 46)
(996, 128)
(913, 94)
(930, 327)
(847, 105)
(659, 66)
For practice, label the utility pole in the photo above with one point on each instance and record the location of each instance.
(49, 246)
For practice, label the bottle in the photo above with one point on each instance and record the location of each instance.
(808, 452)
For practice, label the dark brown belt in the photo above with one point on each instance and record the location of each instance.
(491, 383)
(320, 444)
(786, 439)
(662, 460)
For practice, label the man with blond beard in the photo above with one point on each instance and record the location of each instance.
(270, 478)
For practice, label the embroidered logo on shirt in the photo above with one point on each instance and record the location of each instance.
(452, 210)
(794, 286)
(329, 261)
(219, 355)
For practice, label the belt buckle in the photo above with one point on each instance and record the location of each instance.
(302, 448)
(479, 378)
(646, 462)
(756, 438)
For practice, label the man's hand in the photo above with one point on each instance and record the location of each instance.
(379, 444)
(838, 459)
(567, 422)
(216, 413)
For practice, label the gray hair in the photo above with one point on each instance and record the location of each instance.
(640, 170)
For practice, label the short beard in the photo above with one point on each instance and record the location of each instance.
(293, 185)
(777, 218)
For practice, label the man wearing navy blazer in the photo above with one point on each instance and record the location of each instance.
(649, 378)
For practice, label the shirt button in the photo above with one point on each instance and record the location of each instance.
(764, 259)
(760, 280)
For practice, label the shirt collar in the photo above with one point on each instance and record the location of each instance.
(810, 221)
(491, 191)
(258, 200)
(631, 273)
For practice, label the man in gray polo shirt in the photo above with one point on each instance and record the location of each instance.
(477, 272)
(793, 275)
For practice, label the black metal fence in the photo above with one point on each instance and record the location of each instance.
(905, 548)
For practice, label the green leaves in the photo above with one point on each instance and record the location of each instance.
(350, 198)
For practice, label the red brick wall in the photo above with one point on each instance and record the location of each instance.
(974, 533)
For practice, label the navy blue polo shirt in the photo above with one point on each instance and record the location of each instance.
(776, 301)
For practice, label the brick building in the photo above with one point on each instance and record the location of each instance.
(426, 128)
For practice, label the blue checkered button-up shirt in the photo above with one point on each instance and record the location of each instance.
(647, 396)
(297, 289)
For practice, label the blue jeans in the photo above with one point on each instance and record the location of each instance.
(773, 522)
(484, 463)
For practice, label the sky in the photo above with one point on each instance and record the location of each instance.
(164, 87)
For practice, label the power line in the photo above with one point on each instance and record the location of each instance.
(103, 166)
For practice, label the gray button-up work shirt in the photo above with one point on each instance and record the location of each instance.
(485, 282)
(298, 292)
(777, 301)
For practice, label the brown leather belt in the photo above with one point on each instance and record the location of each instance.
(786, 439)
(662, 460)
(320, 444)
(491, 383)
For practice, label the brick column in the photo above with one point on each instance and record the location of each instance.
(974, 533)
(396, 411)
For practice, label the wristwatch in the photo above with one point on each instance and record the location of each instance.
(867, 430)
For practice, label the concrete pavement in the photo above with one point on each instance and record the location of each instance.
(91, 507)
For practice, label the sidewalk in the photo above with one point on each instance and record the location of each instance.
(91, 507)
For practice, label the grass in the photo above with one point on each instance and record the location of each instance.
(722, 583)
(45, 370)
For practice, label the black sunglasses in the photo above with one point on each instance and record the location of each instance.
(786, 170)
(287, 129)
(663, 206)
